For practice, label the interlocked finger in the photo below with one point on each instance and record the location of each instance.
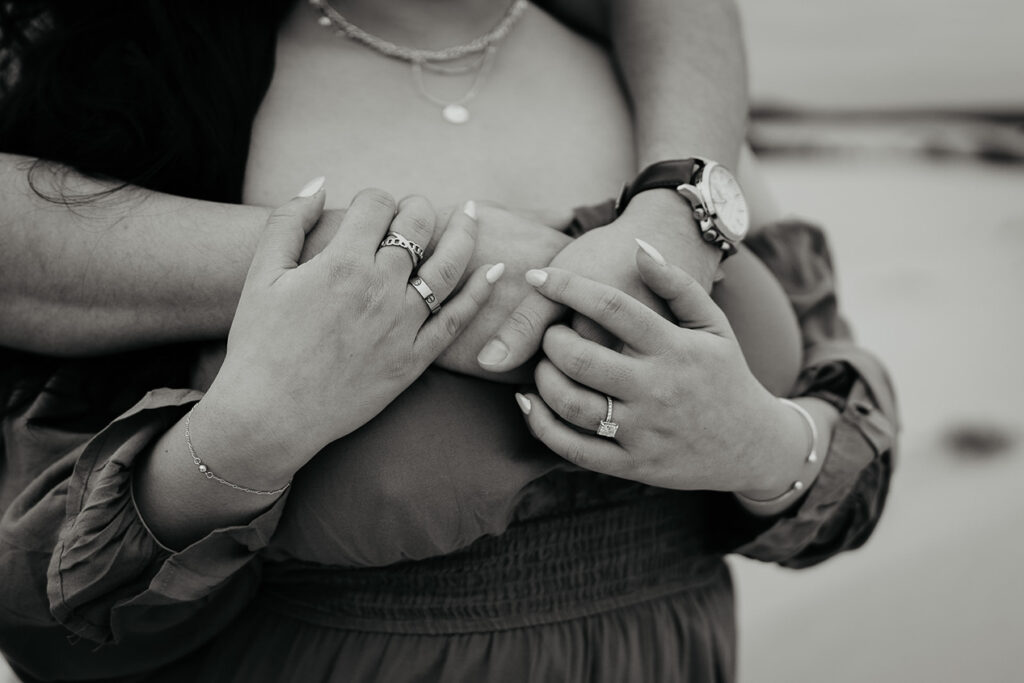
(583, 450)
(443, 270)
(576, 404)
(365, 223)
(592, 365)
(400, 251)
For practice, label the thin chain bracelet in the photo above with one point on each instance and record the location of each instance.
(204, 470)
(812, 457)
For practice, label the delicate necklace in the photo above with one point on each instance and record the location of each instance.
(483, 48)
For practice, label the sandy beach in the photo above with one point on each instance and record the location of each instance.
(930, 257)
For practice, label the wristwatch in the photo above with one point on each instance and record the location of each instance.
(711, 190)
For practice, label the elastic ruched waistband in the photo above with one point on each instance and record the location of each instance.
(541, 571)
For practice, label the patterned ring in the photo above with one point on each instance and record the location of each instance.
(393, 239)
(428, 295)
(608, 428)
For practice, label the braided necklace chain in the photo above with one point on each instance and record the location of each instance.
(454, 111)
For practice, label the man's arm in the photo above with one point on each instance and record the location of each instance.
(128, 269)
(684, 70)
(140, 267)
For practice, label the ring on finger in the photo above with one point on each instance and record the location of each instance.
(607, 428)
(394, 239)
(424, 290)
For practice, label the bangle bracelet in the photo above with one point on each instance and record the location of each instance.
(204, 470)
(812, 457)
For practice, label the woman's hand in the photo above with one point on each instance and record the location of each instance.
(317, 350)
(691, 415)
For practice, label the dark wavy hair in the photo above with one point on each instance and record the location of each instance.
(143, 92)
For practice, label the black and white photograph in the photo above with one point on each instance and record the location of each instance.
(511, 341)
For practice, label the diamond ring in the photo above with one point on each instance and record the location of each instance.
(608, 428)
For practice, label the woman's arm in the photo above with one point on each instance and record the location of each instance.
(130, 538)
(700, 422)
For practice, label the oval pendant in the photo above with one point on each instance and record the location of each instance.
(455, 113)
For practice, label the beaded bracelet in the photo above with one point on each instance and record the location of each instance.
(812, 457)
(203, 469)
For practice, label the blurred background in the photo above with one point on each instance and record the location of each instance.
(899, 125)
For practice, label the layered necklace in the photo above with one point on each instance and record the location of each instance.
(476, 56)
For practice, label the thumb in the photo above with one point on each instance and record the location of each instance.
(280, 245)
(519, 337)
(686, 298)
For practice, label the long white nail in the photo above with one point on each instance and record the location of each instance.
(524, 404)
(494, 273)
(470, 209)
(312, 187)
(536, 277)
(651, 251)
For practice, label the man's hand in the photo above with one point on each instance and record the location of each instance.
(521, 244)
(606, 255)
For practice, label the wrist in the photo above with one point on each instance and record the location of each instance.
(237, 442)
(662, 216)
(784, 444)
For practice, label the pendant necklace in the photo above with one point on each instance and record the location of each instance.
(481, 52)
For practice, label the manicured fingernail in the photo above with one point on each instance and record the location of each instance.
(524, 404)
(651, 251)
(312, 187)
(536, 277)
(495, 272)
(470, 209)
(493, 353)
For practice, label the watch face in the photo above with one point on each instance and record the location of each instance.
(728, 203)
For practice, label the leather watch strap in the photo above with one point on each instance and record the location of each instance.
(662, 175)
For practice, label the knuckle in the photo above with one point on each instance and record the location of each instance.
(449, 271)
(580, 364)
(663, 394)
(576, 454)
(610, 303)
(571, 409)
(522, 323)
(374, 289)
(378, 197)
(401, 364)
(453, 323)
(415, 220)
(343, 267)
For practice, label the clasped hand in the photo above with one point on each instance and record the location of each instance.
(316, 350)
(689, 410)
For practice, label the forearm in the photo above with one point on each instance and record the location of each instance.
(684, 70)
(122, 270)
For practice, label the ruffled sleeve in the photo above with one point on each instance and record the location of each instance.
(80, 562)
(843, 506)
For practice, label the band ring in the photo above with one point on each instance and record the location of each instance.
(394, 239)
(428, 295)
(608, 428)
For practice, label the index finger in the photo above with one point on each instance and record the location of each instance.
(619, 313)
